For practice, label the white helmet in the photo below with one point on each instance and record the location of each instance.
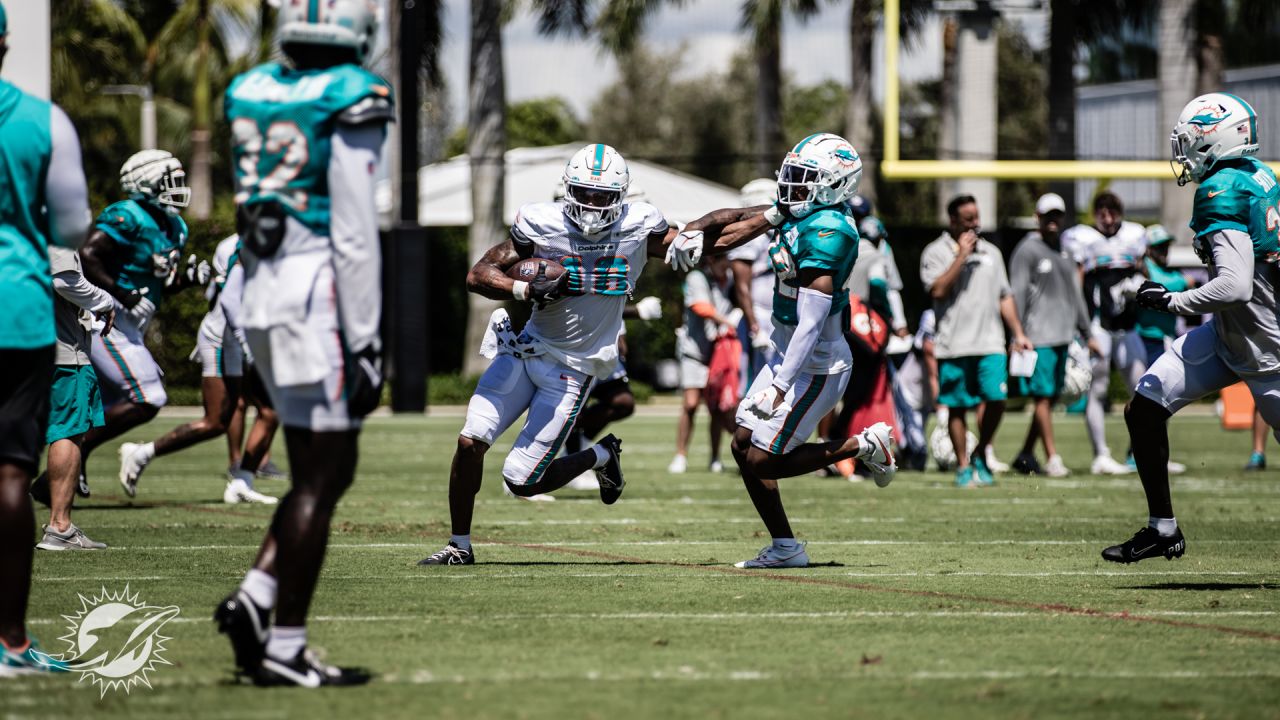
(158, 176)
(332, 23)
(1212, 128)
(822, 170)
(595, 183)
(761, 191)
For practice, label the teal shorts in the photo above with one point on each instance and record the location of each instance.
(967, 382)
(1046, 380)
(75, 404)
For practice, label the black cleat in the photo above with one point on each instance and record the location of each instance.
(610, 476)
(450, 555)
(306, 670)
(40, 490)
(245, 625)
(1026, 464)
(1147, 543)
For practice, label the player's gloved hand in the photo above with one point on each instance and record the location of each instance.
(759, 339)
(137, 306)
(685, 252)
(365, 382)
(1154, 296)
(766, 403)
(198, 271)
(649, 308)
(784, 265)
(544, 290)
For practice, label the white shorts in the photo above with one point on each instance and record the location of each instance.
(810, 398)
(125, 368)
(551, 391)
(319, 405)
(1192, 369)
(220, 359)
(693, 374)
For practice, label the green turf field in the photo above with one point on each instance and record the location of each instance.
(926, 601)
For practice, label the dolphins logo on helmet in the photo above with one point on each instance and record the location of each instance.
(821, 171)
(1212, 128)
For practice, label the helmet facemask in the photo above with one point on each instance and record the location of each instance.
(173, 192)
(593, 208)
(803, 188)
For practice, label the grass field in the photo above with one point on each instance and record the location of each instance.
(926, 600)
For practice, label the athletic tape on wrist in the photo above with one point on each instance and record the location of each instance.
(520, 289)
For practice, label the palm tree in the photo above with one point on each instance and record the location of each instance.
(763, 18)
(864, 15)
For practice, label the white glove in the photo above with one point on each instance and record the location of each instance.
(142, 311)
(649, 308)
(685, 251)
(761, 404)
(198, 271)
(760, 340)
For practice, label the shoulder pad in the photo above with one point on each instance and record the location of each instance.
(121, 220)
(829, 219)
(351, 85)
(371, 109)
(536, 220)
(644, 217)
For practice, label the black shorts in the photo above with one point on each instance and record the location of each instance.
(607, 389)
(25, 386)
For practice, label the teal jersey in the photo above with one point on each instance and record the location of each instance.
(151, 244)
(1241, 195)
(1154, 325)
(825, 240)
(26, 145)
(282, 124)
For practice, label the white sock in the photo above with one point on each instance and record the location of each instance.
(462, 541)
(284, 643)
(602, 456)
(1165, 526)
(785, 543)
(260, 587)
(145, 453)
(865, 448)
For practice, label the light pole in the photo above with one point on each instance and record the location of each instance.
(148, 109)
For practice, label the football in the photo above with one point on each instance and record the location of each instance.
(526, 270)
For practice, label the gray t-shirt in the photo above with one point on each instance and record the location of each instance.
(969, 317)
(698, 335)
(869, 266)
(74, 298)
(1046, 288)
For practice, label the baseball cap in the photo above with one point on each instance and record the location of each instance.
(1157, 235)
(1049, 202)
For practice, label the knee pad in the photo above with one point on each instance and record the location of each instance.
(518, 470)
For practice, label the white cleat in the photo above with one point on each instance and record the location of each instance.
(881, 462)
(238, 491)
(585, 481)
(532, 498)
(679, 464)
(1054, 467)
(716, 466)
(131, 467)
(995, 464)
(1107, 465)
(1176, 468)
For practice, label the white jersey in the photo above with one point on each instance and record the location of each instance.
(582, 330)
(1093, 250)
(214, 323)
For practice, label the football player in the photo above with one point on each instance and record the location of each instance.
(307, 135)
(43, 199)
(1235, 219)
(571, 339)
(133, 253)
(1109, 254)
(813, 255)
(218, 348)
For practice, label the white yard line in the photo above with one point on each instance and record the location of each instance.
(533, 545)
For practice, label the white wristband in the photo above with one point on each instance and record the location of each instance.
(520, 289)
(773, 216)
